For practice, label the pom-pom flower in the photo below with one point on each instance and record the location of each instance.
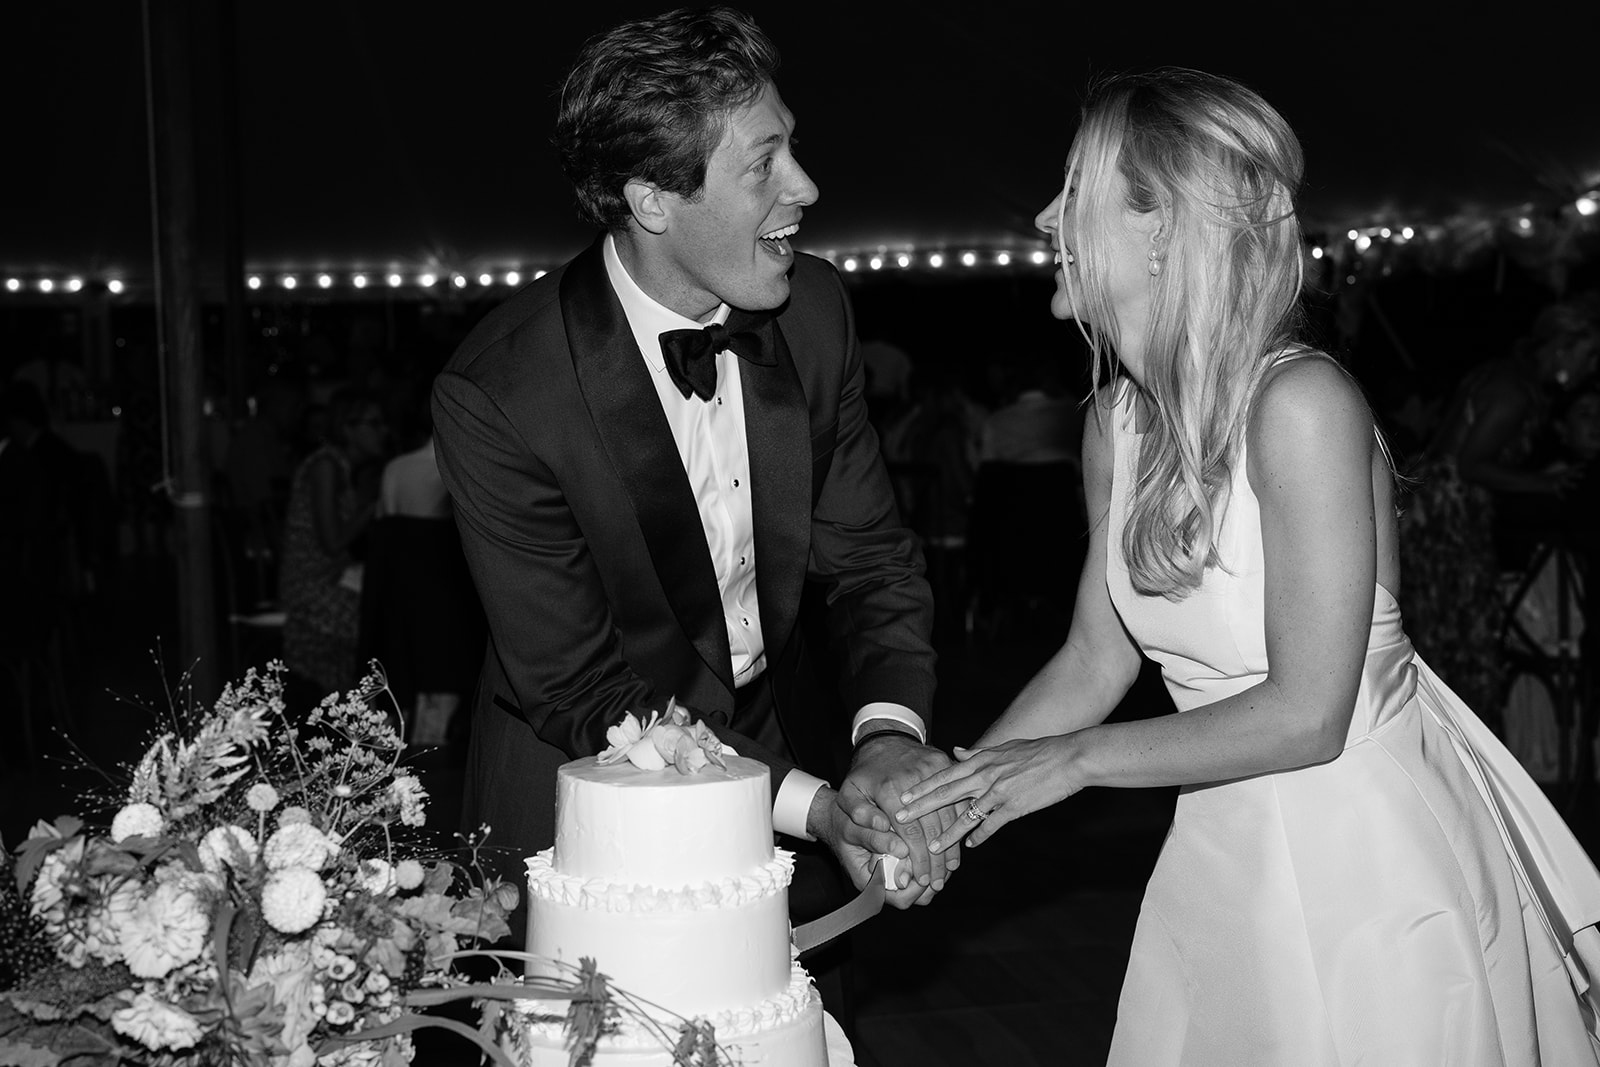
(137, 820)
(298, 845)
(408, 874)
(292, 900)
(292, 814)
(261, 797)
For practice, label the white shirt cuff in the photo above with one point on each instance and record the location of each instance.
(885, 710)
(793, 803)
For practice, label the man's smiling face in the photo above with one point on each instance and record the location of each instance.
(730, 242)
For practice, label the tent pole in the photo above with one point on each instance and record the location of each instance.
(169, 70)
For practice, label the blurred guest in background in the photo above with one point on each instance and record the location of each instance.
(52, 375)
(331, 503)
(931, 446)
(888, 374)
(1580, 430)
(1580, 435)
(141, 468)
(1483, 495)
(25, 533)
(1026, 530)
(258, 467)
(78, 502)
(420, 616)
(1038, 422)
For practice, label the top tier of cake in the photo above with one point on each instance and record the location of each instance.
(662, 828)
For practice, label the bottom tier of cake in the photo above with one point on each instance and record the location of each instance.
(782, 1031)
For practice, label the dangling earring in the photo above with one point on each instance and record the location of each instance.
(1155, 261)
(1071, 259)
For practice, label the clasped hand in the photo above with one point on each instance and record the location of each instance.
(882, 771)
(1000, 784)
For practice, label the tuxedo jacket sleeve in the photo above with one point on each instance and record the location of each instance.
(585, 542)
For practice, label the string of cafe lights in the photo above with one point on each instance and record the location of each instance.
(1356, 241)
(442, 280)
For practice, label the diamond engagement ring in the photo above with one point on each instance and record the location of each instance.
(974, 814)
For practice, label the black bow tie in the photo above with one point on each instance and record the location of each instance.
(691, 355)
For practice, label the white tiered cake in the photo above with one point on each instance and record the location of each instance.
(671, 883)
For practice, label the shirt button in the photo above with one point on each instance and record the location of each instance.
(745, 621)
(736, 483)
(741, 561)
(719, 400)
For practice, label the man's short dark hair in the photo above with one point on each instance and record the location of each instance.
(649, 99)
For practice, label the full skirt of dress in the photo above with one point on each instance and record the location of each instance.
(1273, 896)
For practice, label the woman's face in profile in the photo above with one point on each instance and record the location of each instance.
(1124, 239)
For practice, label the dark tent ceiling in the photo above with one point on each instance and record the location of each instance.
(377, 131)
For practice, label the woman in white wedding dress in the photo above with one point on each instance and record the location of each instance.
(1357, 871)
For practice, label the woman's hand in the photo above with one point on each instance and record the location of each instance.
(1004, 783)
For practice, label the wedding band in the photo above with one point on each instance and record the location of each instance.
(974, 814)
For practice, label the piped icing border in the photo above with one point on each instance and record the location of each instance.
(599, 894)
(545, 1020)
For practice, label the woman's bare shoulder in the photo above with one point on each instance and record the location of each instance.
(1307, 406)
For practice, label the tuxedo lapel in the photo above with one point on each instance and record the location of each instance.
(633, 430)
(777, 432)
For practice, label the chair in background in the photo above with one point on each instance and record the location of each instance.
(1548, 717)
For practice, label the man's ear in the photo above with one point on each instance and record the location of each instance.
(647, 202)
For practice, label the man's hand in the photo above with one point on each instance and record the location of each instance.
(858, 847)
(886, 764)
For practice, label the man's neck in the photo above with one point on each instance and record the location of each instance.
(650, 275)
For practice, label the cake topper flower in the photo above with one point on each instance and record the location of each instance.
(665, 738)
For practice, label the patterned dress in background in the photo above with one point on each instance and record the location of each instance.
(1451, 555)
(1451, 584)
(322, 615)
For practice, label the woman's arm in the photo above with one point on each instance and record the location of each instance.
(1088, 677)
(1502, 408)
(1311, 467)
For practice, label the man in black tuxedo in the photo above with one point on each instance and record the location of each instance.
(641, 518)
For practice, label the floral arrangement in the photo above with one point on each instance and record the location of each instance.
(663, 739)
(258, 899)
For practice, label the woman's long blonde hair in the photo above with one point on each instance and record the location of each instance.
(1222, 167)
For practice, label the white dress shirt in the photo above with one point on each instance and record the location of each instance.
(710, 435)
(716, 459)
